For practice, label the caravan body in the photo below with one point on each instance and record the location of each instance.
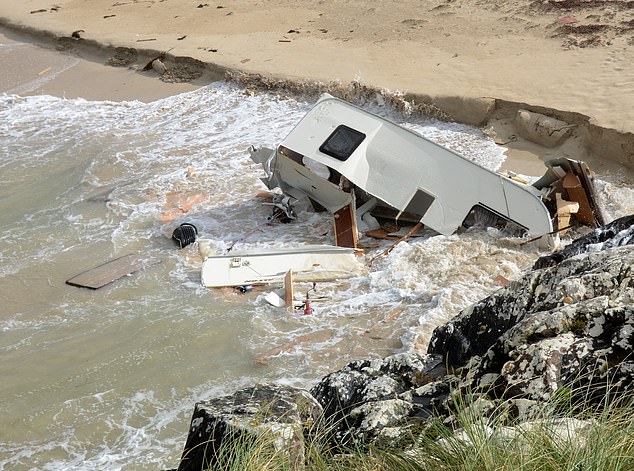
(337, 144)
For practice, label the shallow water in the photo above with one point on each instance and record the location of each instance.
(108, 378)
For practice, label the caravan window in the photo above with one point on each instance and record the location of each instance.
(342, 142)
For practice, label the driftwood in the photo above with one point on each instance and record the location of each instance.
(405, 237)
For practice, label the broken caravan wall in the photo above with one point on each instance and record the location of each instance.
(404, 169)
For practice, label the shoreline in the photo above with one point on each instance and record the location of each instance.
(443, 51)
(598, 145)
(35, 67)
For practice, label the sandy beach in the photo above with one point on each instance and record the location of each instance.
(570, 55)
(32, 69)
(475, 62)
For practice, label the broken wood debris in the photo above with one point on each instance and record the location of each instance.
(534, 239)
(502, 281)
(383, 321)
(345, 224)
(565, 209)
(289, 294)
(109, 272)
(576, 193)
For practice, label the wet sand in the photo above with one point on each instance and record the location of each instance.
(30, 69)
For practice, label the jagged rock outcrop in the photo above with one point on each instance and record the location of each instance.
(615, 234)
(567, 329)
(374, 398)
(281, 413)
(569, 324)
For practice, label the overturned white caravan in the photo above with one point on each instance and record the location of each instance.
(352, 163)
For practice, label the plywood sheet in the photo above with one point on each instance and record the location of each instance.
(345, 227)
(108, 272)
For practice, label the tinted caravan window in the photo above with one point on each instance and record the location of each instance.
(342, 142)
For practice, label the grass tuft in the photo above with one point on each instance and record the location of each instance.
(564, 434)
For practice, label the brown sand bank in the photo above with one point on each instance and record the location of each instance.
(475, 61)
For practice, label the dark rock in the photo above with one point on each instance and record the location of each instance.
(615, 234)
(280, 413)
(364, 398)
(569, 324)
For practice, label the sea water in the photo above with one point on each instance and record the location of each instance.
(107, 379)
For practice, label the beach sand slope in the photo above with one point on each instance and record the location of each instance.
(564, 54)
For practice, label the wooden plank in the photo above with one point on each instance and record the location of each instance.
(405, 237)
(577, 194)
(564, 210)
(345, 227)
(289, 295)
(381, 234)
(106, 273)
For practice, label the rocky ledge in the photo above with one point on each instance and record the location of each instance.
(566, 325)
